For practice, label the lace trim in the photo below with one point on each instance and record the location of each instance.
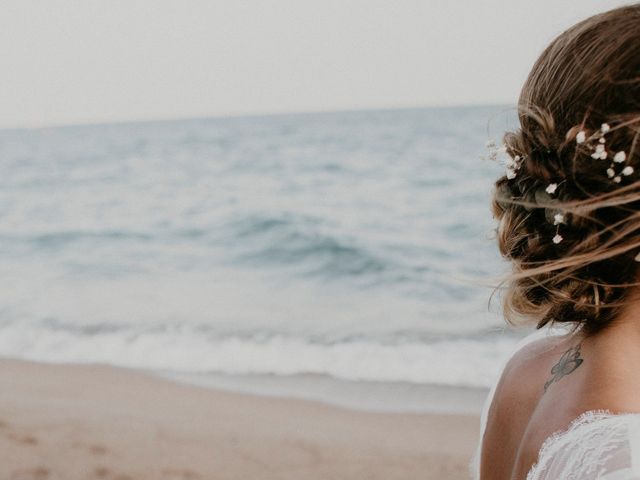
(584, 418)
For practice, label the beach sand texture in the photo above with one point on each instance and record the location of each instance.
(79, 422)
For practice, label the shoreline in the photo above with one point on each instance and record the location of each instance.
(368, 396)
(100, 422)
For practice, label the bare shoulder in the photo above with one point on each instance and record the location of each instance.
(516, 396)
(522, 376)
(530, 358)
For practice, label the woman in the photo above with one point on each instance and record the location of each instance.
(568, 406)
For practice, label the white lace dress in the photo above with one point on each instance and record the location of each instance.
(598, 444)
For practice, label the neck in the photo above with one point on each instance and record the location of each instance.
(624, 329)
(612, 357)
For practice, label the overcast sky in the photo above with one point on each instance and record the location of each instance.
(78, 61)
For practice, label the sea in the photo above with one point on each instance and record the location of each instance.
(347, 257)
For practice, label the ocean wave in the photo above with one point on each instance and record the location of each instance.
(297, 240)
(63, 238)
(471, 361)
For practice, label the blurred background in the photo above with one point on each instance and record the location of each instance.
(281, 197)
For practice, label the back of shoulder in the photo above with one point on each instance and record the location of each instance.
(511, 402)
(525, 372)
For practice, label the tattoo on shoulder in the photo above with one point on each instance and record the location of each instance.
(569, 361)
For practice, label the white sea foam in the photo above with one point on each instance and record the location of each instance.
(460, 362)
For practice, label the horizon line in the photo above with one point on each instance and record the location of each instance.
(98, 123)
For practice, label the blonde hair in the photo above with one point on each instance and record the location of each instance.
(589, 75)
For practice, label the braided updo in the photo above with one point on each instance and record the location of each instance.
(580, 267)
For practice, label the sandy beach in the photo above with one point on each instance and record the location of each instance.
(67, 422)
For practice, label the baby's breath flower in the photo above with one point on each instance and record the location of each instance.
(627, 170)
(557, 239)
(496, 152)
(611, 172)
(637, 258)
(617, 179)
(551, 188)
(581, 136)
(620, 157)
(558, 218)
(605, 127)
(512, 163)
(602, 140)
(600, 152)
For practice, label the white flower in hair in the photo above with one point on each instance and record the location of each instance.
(558, 218)
(620, 157)
(551, 188)
(557, 239)
(496, 153)
(600, 152)
(637, 258)
(512, 165)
